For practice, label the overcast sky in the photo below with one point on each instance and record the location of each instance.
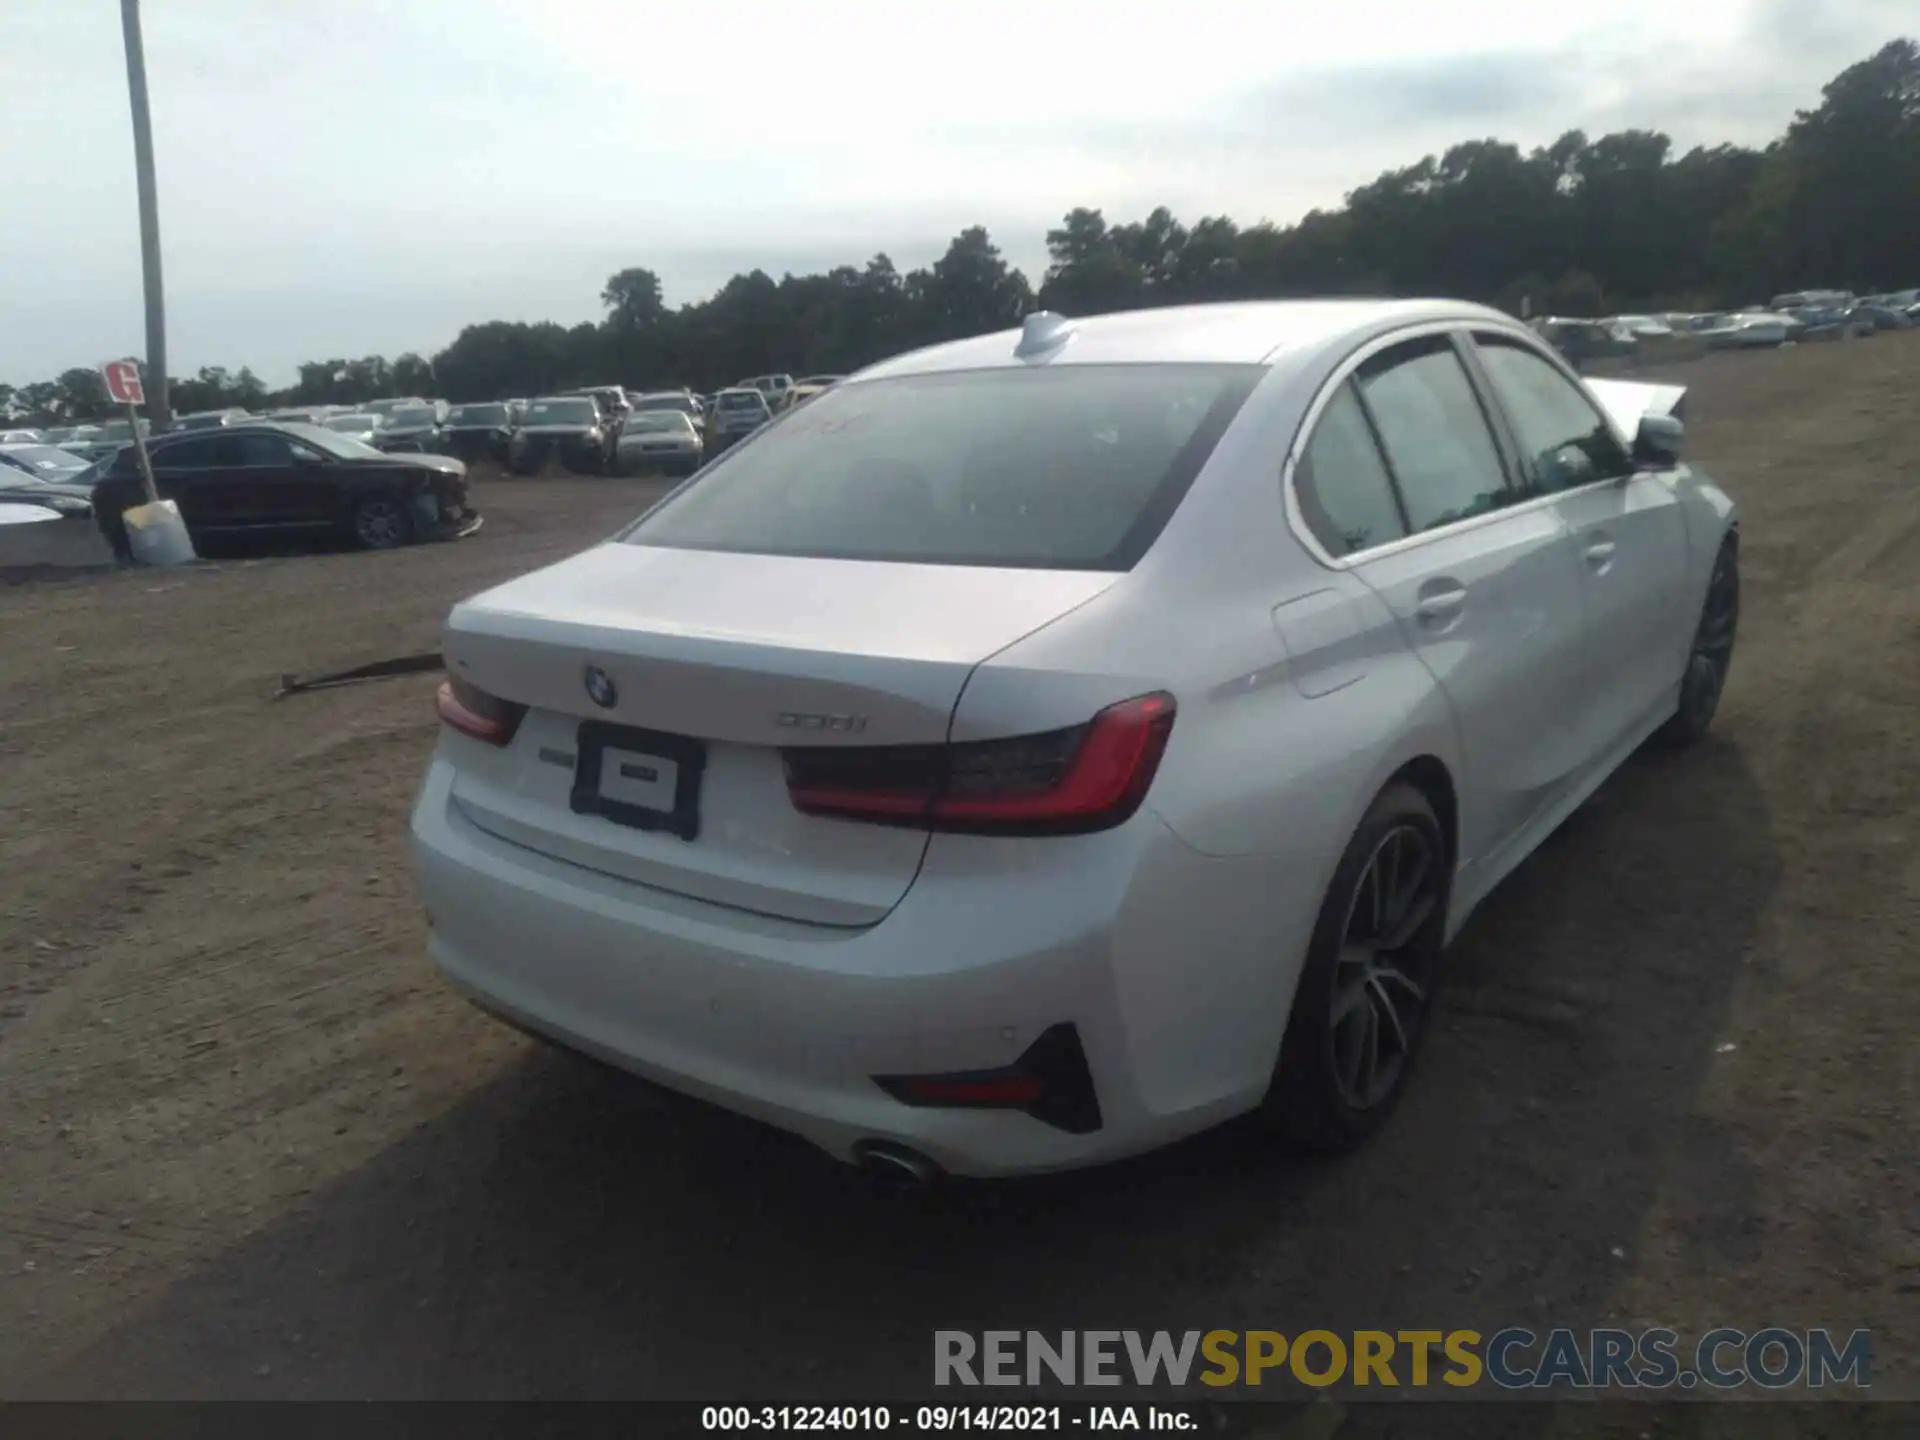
(366, 176)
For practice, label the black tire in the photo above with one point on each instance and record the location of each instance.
(382, 522)
(1711, 655)
(1366, 994)
(114, 531)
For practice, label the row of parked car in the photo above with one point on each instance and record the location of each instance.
(1797, 316)
(383, 473)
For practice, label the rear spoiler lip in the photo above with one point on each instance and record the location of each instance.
(1627, 402)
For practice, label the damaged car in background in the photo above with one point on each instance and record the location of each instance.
(263, 479)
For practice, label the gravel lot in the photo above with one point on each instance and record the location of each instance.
(251, 1147)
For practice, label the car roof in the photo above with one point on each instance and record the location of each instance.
(1240, 333)
(298, 429)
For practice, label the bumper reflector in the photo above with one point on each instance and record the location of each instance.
(1050, 1081)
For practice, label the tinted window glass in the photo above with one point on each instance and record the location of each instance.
(1565, 441)
(477, 415)
(1077, 467)
(1344, 491)
(1434, 433)
(185, 454)
(263, 450)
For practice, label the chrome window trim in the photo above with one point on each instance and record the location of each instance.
(1460, 330)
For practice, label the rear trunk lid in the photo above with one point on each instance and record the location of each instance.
(712, 662)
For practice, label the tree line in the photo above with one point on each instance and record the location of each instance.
(1583, 226)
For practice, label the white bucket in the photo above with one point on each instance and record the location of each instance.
(157, 534)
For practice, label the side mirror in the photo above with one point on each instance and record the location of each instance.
(1657, 444)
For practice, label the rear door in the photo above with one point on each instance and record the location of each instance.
(183, 473)
(280, 482)
(1627, 532)
(1482, 586)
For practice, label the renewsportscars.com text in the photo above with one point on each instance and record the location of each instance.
(1510, 1359)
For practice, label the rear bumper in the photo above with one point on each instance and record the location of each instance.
(641, 457)
(789, 1022)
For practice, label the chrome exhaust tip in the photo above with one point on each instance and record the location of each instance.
(895, 1164)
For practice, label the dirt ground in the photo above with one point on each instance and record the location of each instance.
(250, 1146)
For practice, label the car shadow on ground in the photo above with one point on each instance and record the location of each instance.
(565, 1231)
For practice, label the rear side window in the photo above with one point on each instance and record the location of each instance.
(185, 454)
(1345, 494)
(1434, 433)
(1075, 467)
(1565, 441)
(264, 450)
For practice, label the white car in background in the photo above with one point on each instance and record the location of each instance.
(1749, 330)
(774, 387)
(359, 425)
(13, 513)
(1643, 327)
(1050, 744)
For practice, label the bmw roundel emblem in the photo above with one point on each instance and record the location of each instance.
(600, 688)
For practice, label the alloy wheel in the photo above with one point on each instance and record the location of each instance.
(379, 524)
(1388, 949)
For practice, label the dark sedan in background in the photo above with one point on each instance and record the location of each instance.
(572, 429)
(265, 478)
(477, 432)
(409, 429)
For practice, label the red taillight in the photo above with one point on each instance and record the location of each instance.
(1013, 1090)
(472, 711)
(1090, 777)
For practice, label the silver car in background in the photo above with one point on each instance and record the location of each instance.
(662, 440)
(1047, 745)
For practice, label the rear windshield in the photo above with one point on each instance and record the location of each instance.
(659, 420)
(477, 415)
(1074, 468)
(562, 412)
(741, 400)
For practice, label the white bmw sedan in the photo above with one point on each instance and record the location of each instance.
(1046, 745)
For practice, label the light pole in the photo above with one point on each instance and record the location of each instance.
(159, 409)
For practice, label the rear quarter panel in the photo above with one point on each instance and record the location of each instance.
(1298, 700)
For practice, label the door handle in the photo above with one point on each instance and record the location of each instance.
(1599, 552)
(1443, 606)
